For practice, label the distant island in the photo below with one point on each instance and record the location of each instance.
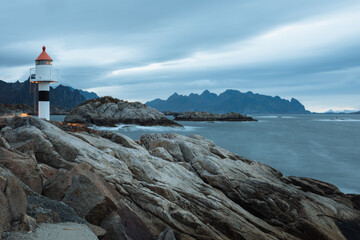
(61, 97)
(205, 116)
(341, 112)
(229, 101)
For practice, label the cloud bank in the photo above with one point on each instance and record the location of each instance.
(142, 50)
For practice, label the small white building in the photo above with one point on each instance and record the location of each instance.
(43, 74)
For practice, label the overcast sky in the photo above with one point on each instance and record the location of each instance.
(142, 50)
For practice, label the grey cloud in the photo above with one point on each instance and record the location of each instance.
(169, 30)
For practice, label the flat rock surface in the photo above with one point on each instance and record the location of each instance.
(58, 231)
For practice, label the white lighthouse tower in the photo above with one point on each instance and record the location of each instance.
(43, 74)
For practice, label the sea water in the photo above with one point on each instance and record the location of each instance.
(321, 146)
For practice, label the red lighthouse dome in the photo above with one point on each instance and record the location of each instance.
(43, 56)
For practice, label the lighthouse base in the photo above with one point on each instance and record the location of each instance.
(44, 100)
(44, 110)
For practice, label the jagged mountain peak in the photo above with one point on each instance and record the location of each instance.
(230, 100)
(23, 93)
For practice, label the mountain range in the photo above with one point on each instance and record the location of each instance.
(229, 101)
(342, 112)
(23, 93)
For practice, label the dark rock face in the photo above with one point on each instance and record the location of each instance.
(108, 111)
(356, 201)
(204, 116)
(228, 101)
(114, 229)
(61, 96)
(50, 211)
(170, 186)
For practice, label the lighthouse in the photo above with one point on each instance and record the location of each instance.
(43, 74)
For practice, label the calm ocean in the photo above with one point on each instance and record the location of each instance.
(321, 146)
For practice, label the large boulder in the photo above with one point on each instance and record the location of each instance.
(13, 203)
(108, 111)
(97, 201)
(114, 228)
(47, 171)
(23, 166)
(21, 208)
(46, 210)
(85, 191)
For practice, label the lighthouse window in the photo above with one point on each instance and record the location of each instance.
(43, 62)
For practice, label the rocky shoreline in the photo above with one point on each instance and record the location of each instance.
(108, 111)
(17, 109)
(163, 186)
(205, 116)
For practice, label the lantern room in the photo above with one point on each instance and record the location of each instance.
(43, 71)
(43, 58)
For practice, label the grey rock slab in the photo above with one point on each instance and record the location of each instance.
(167, 234)
(58, 231)
(60, 149)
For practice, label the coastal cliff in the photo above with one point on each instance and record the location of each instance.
(161, 185)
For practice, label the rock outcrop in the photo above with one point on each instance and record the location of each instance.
(169, 186)
(205, 116)
(108, 111)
